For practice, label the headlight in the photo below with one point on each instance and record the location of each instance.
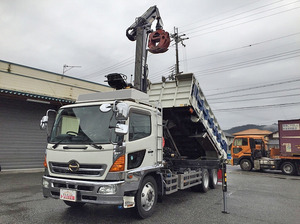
(107, 189)
(45, 183)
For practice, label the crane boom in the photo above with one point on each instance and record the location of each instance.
(139, 32)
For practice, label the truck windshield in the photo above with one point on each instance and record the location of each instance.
(79, 125)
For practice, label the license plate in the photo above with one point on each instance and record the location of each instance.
(67, 195)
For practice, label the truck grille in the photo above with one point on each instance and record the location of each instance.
(84, 169)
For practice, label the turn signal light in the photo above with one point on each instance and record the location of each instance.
(45, 162)
(119, 165)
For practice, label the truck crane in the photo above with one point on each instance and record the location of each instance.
(159, 42)
(131, 146)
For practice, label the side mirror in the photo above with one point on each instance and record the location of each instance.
(122, 111)
(44, 122)
(105, 107)
(121, 129)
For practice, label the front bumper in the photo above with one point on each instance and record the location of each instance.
(87, 191)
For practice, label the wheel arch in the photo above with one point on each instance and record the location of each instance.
(245, 157)
(158, 177)
(293, 163)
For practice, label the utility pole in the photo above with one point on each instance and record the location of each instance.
(178, 38)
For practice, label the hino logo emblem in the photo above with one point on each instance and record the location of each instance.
(73, 166)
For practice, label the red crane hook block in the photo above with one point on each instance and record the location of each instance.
(158, 42)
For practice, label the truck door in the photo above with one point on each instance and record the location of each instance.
(141, 143)
(240, 148)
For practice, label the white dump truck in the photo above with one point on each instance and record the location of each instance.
(131, 146)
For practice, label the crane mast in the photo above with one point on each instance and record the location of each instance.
(158, 43)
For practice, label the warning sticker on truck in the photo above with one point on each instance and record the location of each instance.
(290, 127)
(288, 147)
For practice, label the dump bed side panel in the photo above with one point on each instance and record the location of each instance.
(289, 137)
(185, 92)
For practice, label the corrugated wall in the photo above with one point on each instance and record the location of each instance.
(22, 143)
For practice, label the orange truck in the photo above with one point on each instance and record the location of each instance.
(251, 151)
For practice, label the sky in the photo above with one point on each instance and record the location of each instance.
(244, 53)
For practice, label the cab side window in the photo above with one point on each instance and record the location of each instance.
(240, 142)
(139, 126)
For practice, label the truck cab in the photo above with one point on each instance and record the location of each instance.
(245, 149)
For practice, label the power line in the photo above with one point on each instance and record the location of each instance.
(253, 94)
(223, 19)
(258, 107)
(168, 69)
(120, 64)
(260, 98)
(246, 46)
(256, 87)
(253, 62)
(243, 22)
(218, 15)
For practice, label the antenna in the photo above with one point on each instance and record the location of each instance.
(69, 67)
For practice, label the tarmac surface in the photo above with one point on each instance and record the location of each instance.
(252, 197)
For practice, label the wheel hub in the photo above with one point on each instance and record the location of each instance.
(147, 197)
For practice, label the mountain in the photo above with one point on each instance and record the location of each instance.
(272, 128)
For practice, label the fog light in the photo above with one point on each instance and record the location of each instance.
(107, 189)
(45, 183)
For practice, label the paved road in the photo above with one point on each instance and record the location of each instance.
(253, 197)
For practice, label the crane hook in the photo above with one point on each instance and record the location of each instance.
(159, 41)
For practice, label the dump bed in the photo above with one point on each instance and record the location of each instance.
(184, 105)
(289, 137)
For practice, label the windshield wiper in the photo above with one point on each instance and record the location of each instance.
(95, 145)
(89, 141)
(72, 135)
(60, 141)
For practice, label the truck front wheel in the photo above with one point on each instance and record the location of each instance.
(246, 165)
(288, 168)
(146, 197)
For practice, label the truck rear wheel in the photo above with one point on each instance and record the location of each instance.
(146, 197)
(288, 168)
(213, 178)
(203, 187)
(246, 165)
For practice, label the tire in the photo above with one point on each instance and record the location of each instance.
(74, 204)
(246, 165)
(146, 197)
(213, 178)
(203, 187)
(288, 168)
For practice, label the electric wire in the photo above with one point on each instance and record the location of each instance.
(256, 87)
(126, 62)
(238, 24)
(254, 94)
(259, 98)
(222, 20)
(268, 106)
(220, 13)
(249, 63)
(246, 46)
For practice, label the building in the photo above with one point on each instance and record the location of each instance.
(273, 140)
(229, 138)
(26, 94)
(258, 132)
